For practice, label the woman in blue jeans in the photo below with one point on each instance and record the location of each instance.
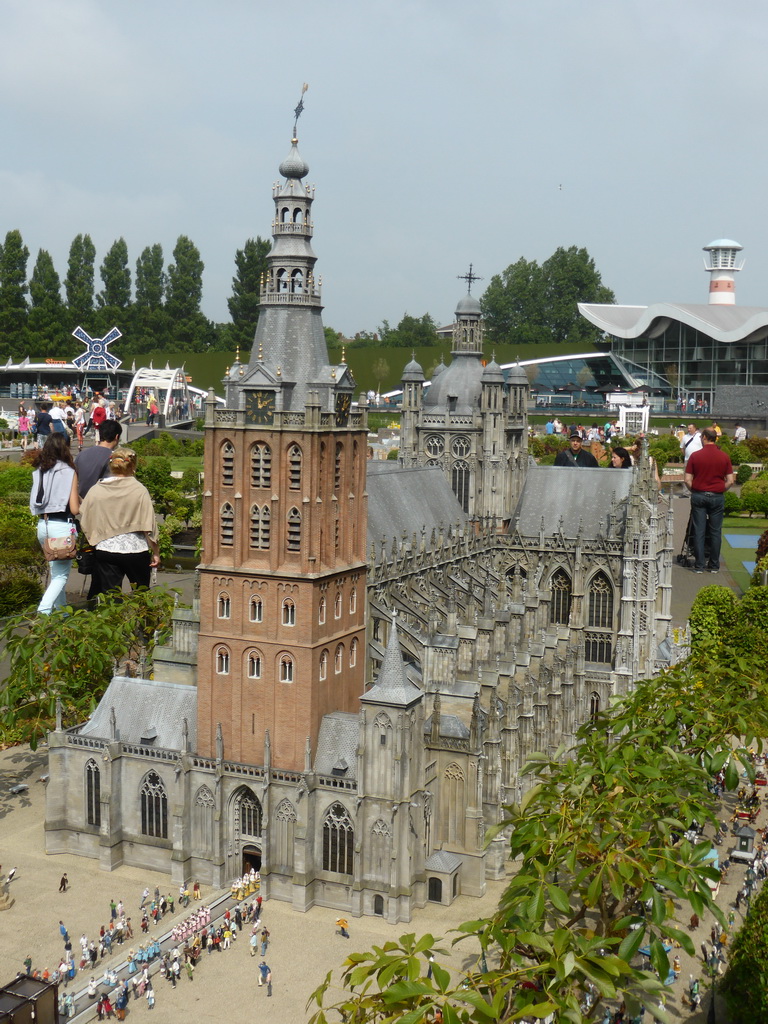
(55, 502)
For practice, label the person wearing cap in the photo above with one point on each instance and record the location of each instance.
(118, 519)
(575, 456)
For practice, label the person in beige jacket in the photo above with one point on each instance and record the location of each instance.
(118, 519)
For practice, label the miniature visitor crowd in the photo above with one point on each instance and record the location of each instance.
(167, 957)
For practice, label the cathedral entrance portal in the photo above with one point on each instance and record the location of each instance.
(251, 859)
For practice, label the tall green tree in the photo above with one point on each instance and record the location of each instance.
(150, 278)
(79, 282)
(531, 303)
(185, 280)
(570, 276)
(512, 304)
(411, 332)
(116, 276)
(189, 328)
(13, 294)
(250, 264)
(149, 328)
(47, 330)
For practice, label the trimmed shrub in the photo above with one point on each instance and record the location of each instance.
(713, 614)
(733, 505)
(743, 474)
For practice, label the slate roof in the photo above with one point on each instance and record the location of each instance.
(443, 861)
(552, 492)
(461, 380)
(401, 499)
(337, 741)
(450, 725)
(146, 704)
(392, 685)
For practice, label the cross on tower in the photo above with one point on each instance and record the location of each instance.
(469, 277)
(298, 108)
(96, 356)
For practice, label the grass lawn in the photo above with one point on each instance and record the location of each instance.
(181, 462)
(733, 556)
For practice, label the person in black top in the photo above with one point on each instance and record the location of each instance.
(43, 424)
(575, 455)
(93, 463)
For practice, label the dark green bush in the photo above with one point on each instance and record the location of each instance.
(15, 479)
(733, 505)
(743, 474)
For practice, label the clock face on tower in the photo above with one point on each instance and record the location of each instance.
(343, 403)
(260, 407)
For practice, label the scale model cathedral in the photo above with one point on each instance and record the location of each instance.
(376, 647)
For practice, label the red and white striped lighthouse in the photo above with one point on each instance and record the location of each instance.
(721, 268)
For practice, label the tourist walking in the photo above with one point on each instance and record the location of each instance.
(55, 502)
(118, 519)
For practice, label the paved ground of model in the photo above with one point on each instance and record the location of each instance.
(225, 986)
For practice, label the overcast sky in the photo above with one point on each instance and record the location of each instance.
(437, 133)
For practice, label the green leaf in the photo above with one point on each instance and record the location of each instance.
(630, 944)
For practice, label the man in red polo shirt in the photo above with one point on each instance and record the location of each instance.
(708, 475)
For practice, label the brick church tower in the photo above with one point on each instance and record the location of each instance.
(283, 574)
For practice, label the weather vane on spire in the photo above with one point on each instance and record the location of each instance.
(469, 278)
(299, 107)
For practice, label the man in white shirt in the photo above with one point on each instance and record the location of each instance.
(691, 443)
(739, 434)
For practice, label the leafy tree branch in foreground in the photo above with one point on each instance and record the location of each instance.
(602, 866)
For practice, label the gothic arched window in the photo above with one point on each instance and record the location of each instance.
(353, 653)
(227, 525)
(594, 706)
(338, 661)
(294, 530)
(223, 607)
(460, 483)
(452, 801)
(434, 446)
(260, 518)
(337, 467)
(338, 841)
(322, 611)
(92, 793)
(286, 668)
(560, 608)
(256, 609)
(600, 602)
(227, 464)
(353, 601)
(324, 665)
(598, 647)
(261, 465)
(222, 661)
(461, 447)
(284, 825)
(337, 605)
(154, 807)
(202, 820)
(294, 467)
(254, 665)
(248, 813)
(289, 612)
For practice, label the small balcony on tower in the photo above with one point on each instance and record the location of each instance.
(305, 228)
